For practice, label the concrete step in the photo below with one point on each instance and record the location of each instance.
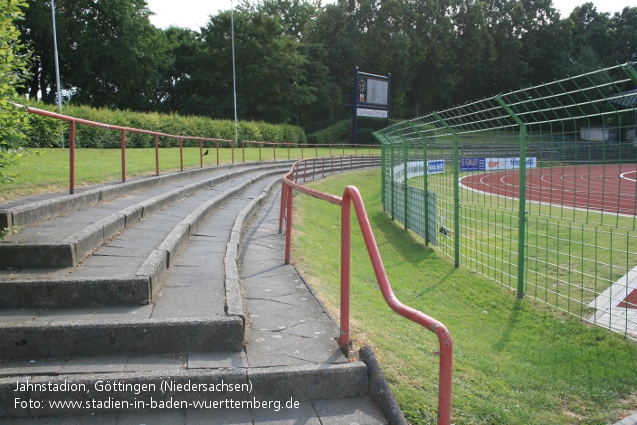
(138, 257)
(346, 411)
(200, 308)
(119, 390)
(70, 236)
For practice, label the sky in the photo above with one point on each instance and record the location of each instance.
(194, 13)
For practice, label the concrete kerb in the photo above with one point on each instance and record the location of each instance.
(154, 268)
(379, 390)
(234, 297)
(33, 255)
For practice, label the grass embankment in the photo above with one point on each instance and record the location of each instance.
(515, 362)
(49, 171)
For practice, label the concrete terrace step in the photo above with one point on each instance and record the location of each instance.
(167, 325)
(287, 350)
(134, 261)
(64, 236)
(347, 411)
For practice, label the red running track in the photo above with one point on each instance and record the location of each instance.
(603, 188)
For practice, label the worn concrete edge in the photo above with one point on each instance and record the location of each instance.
(33, 212)
(36, 255)
(379, 390)
(108, 337)
(57, 293)
(234, 297)
(310, 382)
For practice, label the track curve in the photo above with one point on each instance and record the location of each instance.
(602, 188)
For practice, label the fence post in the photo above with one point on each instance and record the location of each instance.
(425, 182)
(405, 181)
(383, 180)
(200, 153)
(456, 192)
(392, 180)
(522, 197)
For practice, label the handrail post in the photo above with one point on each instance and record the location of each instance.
(283, 204)
(288, 226)
(260, 158)
(200, 153)
(181, 154)
(288, 151)
(243, 151)
(157, 154)
(72, 157)
(217, 152)
(346, 221)
(123, 147)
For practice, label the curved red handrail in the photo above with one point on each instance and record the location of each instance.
(351, 195)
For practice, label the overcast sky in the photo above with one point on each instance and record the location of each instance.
(194, 13)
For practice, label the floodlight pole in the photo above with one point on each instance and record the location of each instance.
(55, 55)
(57, 62)
(234, 79)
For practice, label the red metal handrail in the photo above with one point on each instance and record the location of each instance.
(74, 121)
(352, 195)
(307, 147)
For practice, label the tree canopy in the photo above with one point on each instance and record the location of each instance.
(13, 65)
(295, 59)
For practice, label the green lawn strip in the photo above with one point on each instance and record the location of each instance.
(49, 171)
(515, 362)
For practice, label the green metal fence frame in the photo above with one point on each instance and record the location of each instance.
(554, 111)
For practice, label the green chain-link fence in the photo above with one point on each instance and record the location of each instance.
(536, 189)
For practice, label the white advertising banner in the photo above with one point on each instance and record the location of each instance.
(508, 163)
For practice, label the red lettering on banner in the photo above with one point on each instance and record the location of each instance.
(493, 164)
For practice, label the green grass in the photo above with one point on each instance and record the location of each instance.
(515, 362)
(49, 171)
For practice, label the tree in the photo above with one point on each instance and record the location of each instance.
(13, 66)
(110, 54)
(271, 74)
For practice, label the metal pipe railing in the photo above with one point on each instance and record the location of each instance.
(74, 121)
(351, 195)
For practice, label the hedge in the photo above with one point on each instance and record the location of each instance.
(48, 132)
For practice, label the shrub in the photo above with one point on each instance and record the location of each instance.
(47, 132)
